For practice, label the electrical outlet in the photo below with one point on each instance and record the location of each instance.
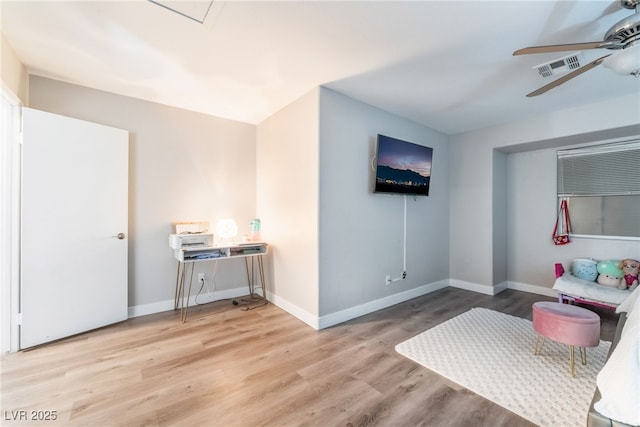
(387, 280)
(201, 278)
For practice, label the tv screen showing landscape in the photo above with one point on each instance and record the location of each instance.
(402, 167)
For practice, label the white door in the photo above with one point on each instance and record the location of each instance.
(74, 226)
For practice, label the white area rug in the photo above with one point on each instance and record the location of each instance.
(491, 354)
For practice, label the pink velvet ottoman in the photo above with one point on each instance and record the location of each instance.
(566, 324)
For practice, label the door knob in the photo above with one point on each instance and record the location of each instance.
(120, 236)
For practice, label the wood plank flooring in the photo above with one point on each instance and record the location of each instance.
(262, 367)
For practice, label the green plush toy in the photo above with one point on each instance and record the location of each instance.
(609, 273)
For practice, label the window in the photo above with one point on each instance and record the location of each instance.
(602, 185)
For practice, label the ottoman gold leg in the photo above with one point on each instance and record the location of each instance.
(583, 355)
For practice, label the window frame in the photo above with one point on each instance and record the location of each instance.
(565, 168)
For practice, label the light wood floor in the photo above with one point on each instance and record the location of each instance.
(263, 367)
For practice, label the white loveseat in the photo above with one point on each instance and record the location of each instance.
(616, 402)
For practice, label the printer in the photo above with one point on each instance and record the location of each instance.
(180, 241)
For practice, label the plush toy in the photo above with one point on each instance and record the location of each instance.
(631, 269)
(609, 273)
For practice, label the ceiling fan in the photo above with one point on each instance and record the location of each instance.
(623, 38)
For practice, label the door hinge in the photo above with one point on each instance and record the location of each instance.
(20, 137)
(19, 319)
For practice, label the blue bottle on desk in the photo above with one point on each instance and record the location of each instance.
(255, 230)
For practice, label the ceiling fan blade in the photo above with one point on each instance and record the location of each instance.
(612, 8)
(568, 76)
(565, 47)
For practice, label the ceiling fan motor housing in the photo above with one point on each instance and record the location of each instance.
(626, 31)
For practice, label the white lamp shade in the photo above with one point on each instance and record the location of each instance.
(625, 61)
(227, 228)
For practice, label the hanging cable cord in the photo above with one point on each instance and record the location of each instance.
(404, 253)
(253, 286)
(204, 283)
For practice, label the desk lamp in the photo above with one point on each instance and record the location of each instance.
(227, 229)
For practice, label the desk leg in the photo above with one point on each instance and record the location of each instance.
(185, 306)
(261, 272)
(179, 285)
(249, 264)
(179, 298)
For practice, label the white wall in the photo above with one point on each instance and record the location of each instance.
(184, 166)
(14, 74)
(473, 190)
(361, 233)
(500, 216)
(287, 189)
(332, 240)
(471, 211)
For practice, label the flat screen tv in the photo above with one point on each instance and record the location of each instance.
(402, 167)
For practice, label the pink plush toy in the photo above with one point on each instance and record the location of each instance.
(631, 269)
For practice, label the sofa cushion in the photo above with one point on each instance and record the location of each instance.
(626, 305)
(619, 379)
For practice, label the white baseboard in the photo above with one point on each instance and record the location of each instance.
(495, 290)
(369, 307)
(475, 287)
(500, 287)
(338, 317)
(533, 289)
(294, 310)
(166, 305)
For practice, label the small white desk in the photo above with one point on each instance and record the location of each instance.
(192, 255)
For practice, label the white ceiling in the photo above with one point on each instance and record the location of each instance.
(445, 64)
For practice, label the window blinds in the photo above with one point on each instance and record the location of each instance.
(602, 170)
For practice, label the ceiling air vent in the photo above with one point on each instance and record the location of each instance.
(560, 66)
